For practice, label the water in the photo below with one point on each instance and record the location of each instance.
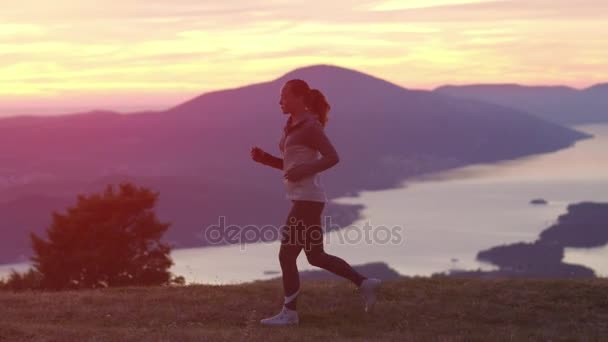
(595, 258)
(446, 218)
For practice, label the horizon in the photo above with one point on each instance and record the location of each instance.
(75, 56)
(125, 108)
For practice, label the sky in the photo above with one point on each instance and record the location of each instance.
(66, 55)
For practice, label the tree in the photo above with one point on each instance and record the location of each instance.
(107, 239)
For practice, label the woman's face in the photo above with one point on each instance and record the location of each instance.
(288, 101)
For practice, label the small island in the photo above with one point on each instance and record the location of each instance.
(585, 225)
(538, 201)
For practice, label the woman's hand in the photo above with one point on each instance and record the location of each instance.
(257, 154)
(298, 172)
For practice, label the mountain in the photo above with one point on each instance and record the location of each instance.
(563, 105)
(598, 88)
(197, 154)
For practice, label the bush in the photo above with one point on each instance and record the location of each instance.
(107, 239)
(30, 280)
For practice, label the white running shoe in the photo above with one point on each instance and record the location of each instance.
(368, 292)
(285, 317)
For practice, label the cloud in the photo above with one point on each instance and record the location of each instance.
(157, 46)
(392, 5)
(14, 31)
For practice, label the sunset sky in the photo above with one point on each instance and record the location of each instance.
(131, 54)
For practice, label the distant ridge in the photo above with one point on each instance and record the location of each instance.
(560, 104)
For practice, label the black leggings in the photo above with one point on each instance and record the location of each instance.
(303, 230)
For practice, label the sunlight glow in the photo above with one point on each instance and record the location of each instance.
(130, 48)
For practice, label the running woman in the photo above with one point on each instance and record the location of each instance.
(302, 141)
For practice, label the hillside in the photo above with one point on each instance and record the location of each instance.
(196, 154)
(408, 309)
(560, 104)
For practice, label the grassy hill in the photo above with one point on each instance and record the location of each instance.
(408, 309)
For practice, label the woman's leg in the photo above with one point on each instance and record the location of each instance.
(313, 245)
(291, 245)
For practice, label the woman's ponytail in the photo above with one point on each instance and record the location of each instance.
(313, 99)
(317, 103)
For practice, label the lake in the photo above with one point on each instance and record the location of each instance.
(444, 218)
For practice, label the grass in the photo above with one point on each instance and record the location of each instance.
(437, 309)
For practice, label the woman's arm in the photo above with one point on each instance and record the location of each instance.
(263, 157)
(315, 138)
(272, 161)
(320, 141)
